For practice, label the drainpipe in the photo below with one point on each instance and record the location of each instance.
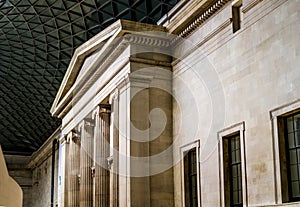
(52, 171)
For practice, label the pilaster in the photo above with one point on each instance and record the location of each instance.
(74, 169)
(86, 129)
(101, 142)
(63, 171)
(114, 149)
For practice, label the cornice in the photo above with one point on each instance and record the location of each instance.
(213, 33)
(191, 15)
(147, 40)
(249, 6)
(149, 62)
(203, 17)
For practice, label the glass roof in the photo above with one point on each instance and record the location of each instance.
(37, 40)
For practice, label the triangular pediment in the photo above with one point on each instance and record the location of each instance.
(86, 55)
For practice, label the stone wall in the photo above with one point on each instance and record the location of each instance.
(18, 170)
(35, 181)
(223, 81)
(41, 183)
(233, 78)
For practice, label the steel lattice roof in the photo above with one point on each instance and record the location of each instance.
(37, 40)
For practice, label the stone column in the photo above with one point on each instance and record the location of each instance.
(74, 170)
(63, 171)
(101, 179)
(114, 152)
(86, 162)
(133, 118)
(145, 137)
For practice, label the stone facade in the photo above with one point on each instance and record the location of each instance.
(33, 174)
(228, 65)
(41, 183)
(100, 121)
(236, 78)
(150, 112)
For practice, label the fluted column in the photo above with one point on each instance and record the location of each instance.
(114, 137)
(86, 163)
(101, 179)
(74, 170)
(63, 171)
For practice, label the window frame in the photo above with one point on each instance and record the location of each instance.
(277, 117)
(288, 158)
(231, 164)
(227, 133)
(236, 15)
(183, 151)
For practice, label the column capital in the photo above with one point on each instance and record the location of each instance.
(78, 178)
(95, 112)
(114, 96)
(138, 79)
(104, 108)
(110, 161)
(93, 170)
(75, 136)
(87, 122)
(64, 139)
(101, 108)
(80, 126)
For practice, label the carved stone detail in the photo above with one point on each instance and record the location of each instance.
(202, 18)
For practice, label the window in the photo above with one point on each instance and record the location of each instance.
(292, 142)
(190, 172)
(236, 15)
(232, 166)
(190, 176)
(286, 139)
(235, 171)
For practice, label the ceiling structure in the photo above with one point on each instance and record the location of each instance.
(37, 40)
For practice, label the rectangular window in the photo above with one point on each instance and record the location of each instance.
(190, 171)
(236, 15)
(286, 139)
(292, 141)
(235, 174)
(233, 183)
(190, 178)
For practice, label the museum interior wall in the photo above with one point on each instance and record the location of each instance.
(236, 79)
(206, 116)
(35, 174)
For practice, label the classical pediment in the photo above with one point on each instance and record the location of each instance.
(92, 53)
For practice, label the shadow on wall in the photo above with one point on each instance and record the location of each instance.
(10, 192)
